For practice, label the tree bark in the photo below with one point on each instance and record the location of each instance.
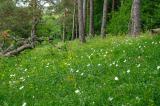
(104, 18)
(135, 18)
(35, 19)
(81, 21)
(84, 14)
(91, 26)
(18, 50)
(64, 32)
(113, 5)
(74, 23)
(33, 30)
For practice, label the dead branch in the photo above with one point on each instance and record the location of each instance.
(155, 31)
(18, 50)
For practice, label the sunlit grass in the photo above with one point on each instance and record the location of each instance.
(118, 71)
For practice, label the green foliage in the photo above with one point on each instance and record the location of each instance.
(120, 20)
(115, 71)
(49, 27)
(14, 18)
(150, 16)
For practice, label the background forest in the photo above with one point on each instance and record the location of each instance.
(18, 19)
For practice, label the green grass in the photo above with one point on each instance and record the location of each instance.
(116, 71)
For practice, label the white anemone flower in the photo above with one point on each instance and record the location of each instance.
(116, 78)
(24, 104)
(158, 67)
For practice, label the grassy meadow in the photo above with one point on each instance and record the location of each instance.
(115, 71)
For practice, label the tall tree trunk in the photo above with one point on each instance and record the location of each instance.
(64, 31)
(91, 26)
(74, 23)
(84, 14)
(81, 21)
(33, 30)
(135, 18)
(113, 5)
(35, 20)
(104, 18)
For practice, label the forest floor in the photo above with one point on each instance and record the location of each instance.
(116, 71)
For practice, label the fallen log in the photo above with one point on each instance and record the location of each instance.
(155, 31)
(8, 49)
(21, 45)
(18, 50)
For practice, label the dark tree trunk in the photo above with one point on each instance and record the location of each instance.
(81, 21)
(91, 26)
(64, 31)
(84, 14)
(35, 19)
(104, 18)
(33, 30)
(113, 5)
(74, 23)
(135, 18)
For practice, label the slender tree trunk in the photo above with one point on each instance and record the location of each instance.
(77, 31)
(81, 21)
(84, 14)
(64, 31)
(104, 18)
(135, 18)
(36, 16)
(113, 5)
(91, 26)
(74, 23)
(33, 30)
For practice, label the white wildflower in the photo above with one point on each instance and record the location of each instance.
(82, 74)
(71, 70)
(125, 61)
(23, 79)
(158, 67)
(77, 91)
(88, 65)
(24, 104)
(12, 75)
(77, 71)
(99, 64)
(25, 69)
(138, 65)
(21, 87)
(128, 71)
(116, 78)
(110, 98)
(117, 65)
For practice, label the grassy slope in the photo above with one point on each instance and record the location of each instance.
(84, 74)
